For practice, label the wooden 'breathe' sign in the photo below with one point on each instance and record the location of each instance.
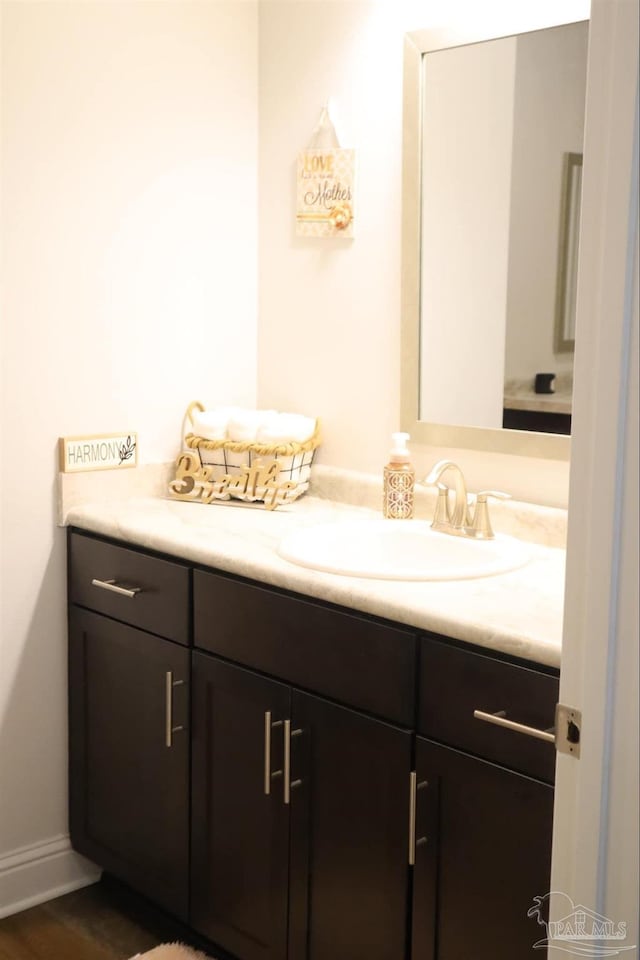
(255, 483)
(108, 451)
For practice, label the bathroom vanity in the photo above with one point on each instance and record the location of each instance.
(292, 776)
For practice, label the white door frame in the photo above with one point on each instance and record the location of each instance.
(595, 858)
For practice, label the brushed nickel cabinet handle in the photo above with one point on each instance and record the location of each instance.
(269, 774)
(287, 760)
(111, 585)
(500, 720)
(169, 684)
(412, 818)
(414, 786)
(288, 734)
(267, 752)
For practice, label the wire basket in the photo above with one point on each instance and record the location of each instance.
(235, 459)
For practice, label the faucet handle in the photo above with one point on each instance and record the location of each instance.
(481, 527)
(496, 494)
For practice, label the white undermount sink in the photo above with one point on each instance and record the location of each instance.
(399, 550)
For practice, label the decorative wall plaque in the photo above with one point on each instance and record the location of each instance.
(107, 451)
(325, 185)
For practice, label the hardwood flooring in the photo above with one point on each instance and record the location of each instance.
(101, 922)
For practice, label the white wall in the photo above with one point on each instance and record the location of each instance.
(129, 181)
(551, 71)
(129, 152)
(328, 340)
(329, 333)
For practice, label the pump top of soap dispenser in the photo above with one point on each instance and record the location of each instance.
(399, 449)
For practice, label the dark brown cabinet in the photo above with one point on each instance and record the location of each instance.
(348, 657)
(300, 822)
(309, 783)
(349, 834)
(455, 682)
(137, 588)
(240, 827)
(483, 852)
(484, 805)
(128, 772)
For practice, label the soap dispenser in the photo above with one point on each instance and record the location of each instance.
(399, 481)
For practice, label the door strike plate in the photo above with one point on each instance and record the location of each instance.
(568, 726)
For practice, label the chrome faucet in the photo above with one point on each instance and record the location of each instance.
(461, 521)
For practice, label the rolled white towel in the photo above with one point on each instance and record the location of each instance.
(243, 425)
(213, 424)
(286, 428)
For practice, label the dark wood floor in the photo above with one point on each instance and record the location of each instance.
(101, 922)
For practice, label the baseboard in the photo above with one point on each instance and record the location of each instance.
(40, 872)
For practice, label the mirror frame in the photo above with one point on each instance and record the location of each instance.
(417, 43)
(567, 252)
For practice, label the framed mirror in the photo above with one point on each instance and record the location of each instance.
(490, 231)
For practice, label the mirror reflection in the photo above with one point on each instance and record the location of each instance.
(501, 149)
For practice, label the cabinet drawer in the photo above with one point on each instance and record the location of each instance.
(360, 662)
(455, 682)
(161, 601)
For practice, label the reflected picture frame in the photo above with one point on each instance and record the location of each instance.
(568, 236)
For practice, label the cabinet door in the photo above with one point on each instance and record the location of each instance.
(349, 834)
(240, 832)
(484, 836)
(129, 784)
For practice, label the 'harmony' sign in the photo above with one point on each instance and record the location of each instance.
(104, 452)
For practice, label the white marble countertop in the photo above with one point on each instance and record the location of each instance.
(540, 402)
(519, 613)
(521, 395)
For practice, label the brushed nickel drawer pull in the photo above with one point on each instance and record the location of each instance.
(500, 720)
(111, 585)
(170, 683)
